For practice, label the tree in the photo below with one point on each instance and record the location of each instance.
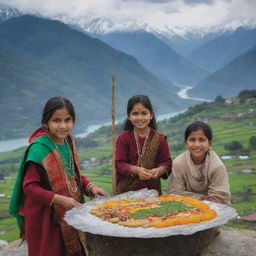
(252, 142)
(246, 94)
(233, 146)
(219, 99)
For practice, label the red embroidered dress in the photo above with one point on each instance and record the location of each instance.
(156, 154)
(37, 182)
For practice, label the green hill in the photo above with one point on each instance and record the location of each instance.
(230, 122)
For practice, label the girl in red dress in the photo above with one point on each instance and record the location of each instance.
(49, 183)
(142, 153)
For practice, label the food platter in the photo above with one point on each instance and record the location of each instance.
(81, 218)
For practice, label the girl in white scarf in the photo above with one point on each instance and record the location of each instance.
(199, 169)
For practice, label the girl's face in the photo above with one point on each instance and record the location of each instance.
(198, 144)
(60, 125)
(140, 117)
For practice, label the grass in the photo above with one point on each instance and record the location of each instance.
(97, 152)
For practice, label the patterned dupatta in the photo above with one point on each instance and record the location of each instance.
(61, 183)
(148, 161)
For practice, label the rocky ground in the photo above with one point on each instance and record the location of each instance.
(230, 242)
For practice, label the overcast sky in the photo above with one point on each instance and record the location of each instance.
(157, 13)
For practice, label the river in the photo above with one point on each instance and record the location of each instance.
(9, 145)
(183, 93)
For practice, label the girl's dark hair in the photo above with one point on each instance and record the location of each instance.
(145, 101)
(54, 104)
(199, 126)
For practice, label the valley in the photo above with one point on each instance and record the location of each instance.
(228, 121)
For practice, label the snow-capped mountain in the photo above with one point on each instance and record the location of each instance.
(7, 12)
(106, 26)
(183, 39)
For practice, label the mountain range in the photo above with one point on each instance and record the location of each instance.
(220, 51)
(156, 56)
(42, 57)
(174, 53)
(238, 75)
(7, 12)
(184, 39)
(59, 59)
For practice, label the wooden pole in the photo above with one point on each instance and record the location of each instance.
(113, 136)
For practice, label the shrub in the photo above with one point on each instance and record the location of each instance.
(252, 142)
(233, 146)
(246, 94)
(219, 99)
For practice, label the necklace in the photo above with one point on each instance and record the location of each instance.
(140, 150)
(68, 167)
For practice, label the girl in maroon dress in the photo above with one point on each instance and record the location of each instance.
(49, 183)
(142, 153)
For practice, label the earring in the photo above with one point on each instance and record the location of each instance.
(45, 127)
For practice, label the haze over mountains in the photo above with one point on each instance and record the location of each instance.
(223, 49)
(58, 59)
(211, 50)
(156, 56)
(238, 75)
(40, 58)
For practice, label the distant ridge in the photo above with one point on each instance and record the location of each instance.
(156, 56)
(238, 75)
(220, 51)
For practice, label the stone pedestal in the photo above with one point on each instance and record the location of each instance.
(179, 245)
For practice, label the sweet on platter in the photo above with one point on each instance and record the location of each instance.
(158, 212)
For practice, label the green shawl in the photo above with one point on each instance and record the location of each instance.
(17, 197)
(60, 183)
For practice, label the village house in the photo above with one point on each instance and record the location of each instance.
(250, 218)
(232, 100)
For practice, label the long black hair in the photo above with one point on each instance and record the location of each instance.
(54, 104)
(145, 101)
(198, 125)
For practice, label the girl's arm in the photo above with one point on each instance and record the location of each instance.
(122, 156)
(122, 160)
(91, 188)
(219, 186)
(164, 162)
(33, 183)
(177, 181)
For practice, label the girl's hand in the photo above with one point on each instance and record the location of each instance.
(96, 191)
(212, 198)
(64, 201)
(157, 172)
(144, 174)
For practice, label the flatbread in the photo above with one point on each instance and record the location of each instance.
(159, 212)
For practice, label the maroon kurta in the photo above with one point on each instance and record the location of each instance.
(126, 155)
(42, 232)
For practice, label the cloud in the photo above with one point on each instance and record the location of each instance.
(150, 1)
(194, 2)
(158, 13)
